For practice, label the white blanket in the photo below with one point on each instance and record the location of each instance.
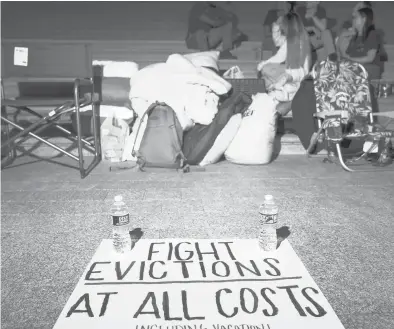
(192, 92)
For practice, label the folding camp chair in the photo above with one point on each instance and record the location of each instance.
(42, 66)
(344, 114)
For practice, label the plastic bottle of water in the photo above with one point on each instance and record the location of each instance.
(120, 225)
(268, 224)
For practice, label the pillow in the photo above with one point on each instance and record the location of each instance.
(117, 69)
(223, 141)
(205, 59)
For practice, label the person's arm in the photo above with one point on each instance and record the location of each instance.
(278, 58)
(368, 59)
(318, 15)
(320, 23)
(210, 21)
(371, 45)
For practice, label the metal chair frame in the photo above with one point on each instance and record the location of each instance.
(373, 136)
(49, 64)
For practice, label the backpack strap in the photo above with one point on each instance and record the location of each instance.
(146, 113)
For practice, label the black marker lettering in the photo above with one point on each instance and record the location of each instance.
(91, 271)
(228, 249)
(219, 305)
(88, 309)
(186, 310)
(118, 270)
(105, 301)
(166, 308)
(185, 271)
(170, 251)
(155, 312)
(293, 299)
(268, 261)
(255, 300)
(226, 269)
(178, 257)
(151, 251)
(142, 269)
(203, 271)
(255, 269)
(320, 310)
(275, 310)
(200, 253)
(152, 265)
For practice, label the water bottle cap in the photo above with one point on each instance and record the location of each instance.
(118, 198)
(268, 198)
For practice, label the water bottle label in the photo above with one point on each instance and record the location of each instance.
(269, 219)
(121, 220)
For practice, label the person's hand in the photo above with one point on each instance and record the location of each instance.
(281, 81)
(310, 11)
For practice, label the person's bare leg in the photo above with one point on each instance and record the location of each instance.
(222, 34)
(198, 40)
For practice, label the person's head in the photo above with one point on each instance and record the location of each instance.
(360, 5)
(298, 45)
(363, 22)
(284, 7)
(311, 4)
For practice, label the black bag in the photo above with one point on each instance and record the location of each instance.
(200, 139)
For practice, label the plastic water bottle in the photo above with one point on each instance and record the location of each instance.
(120, 217)
(268, 223)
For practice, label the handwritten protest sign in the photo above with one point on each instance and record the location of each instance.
(197, 284)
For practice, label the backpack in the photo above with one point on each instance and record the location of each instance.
(161, 144)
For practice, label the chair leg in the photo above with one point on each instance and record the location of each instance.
(79, 133)
(10, 148)
(340, 157)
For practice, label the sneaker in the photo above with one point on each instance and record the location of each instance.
(227, 55)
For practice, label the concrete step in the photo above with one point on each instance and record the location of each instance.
(284, 145)
(158, 51)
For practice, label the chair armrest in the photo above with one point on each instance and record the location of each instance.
(83, 82)
(322, 115)
(384, 114)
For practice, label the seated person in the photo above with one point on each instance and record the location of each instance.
(271, 22)
(315, 21)
(283, 80)
(211, 25)
(342, 41)
(364, 45)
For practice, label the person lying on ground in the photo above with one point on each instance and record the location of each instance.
(283, 80)
(211, 25)
(314, 18)
(364, 45)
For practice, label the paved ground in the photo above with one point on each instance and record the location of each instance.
(341, 226)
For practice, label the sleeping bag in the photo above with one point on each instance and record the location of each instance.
(200, 139)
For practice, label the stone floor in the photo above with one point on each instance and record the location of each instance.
(341, 227)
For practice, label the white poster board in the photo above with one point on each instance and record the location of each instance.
(197, 284)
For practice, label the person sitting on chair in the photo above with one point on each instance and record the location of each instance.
(364, 45)
(315, 22)
(211, 25)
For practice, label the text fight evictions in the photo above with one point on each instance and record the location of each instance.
(197, 284)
